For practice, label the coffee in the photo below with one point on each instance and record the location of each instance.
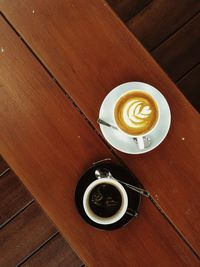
(105, 200)
(136, 113)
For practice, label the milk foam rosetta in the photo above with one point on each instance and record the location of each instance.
(136, 113)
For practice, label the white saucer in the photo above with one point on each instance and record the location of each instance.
(119, 140)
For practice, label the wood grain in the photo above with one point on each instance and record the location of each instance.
(24, 234)
(3, 165)
(160, 19)
(49, 148)
(126, 9)
(190, 85)
(180, 52)
(88, 68)
(55, 253)
(13, 197)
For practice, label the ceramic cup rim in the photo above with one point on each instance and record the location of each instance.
(117, 216)
(155, 125)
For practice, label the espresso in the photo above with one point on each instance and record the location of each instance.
(105, 200)
(136, 113)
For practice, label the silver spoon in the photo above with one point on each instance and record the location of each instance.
(100, 121)
(104, 173)
(147, 140)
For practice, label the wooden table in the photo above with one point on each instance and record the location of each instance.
(57, 63)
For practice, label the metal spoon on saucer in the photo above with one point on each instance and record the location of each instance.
(100, 121)
(104, 173)
(147, 140)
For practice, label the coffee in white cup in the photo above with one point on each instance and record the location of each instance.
(136, 114)
(105, 201)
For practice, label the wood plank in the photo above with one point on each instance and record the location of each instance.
(84, 65)
(181, 51)
(3, 165)
(13, 197)
(67, 146)
(159, 15)
(160, 19)
(55, 253)
(126, 9)
(190, 85)
(23, 235)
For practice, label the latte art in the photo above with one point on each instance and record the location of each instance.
(136, 113)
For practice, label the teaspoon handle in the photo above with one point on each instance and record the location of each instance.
(139, 190)
(100, 121)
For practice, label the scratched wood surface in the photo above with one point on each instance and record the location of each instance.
(52, 124)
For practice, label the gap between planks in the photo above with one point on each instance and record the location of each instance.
(188, 72)
(36, 250)
(4, 172)
(184, 239)
(16, 214)
(173, 33)
(156, 205)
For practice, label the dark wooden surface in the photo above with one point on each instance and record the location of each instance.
(153, 14)
(16, 242)
(126, 9)
(13, 197)
(180, 53)
(52, 179)
(161, 19)
(21, 220)
(56, 253)
(3, 166)
(190, 85)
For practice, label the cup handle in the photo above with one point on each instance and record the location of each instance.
(140, 142)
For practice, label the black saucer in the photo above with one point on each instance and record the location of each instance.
(120, 173)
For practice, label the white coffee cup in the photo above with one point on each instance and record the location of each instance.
(118, 215)
(139, 138)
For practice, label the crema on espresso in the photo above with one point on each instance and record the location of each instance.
(136, 113)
